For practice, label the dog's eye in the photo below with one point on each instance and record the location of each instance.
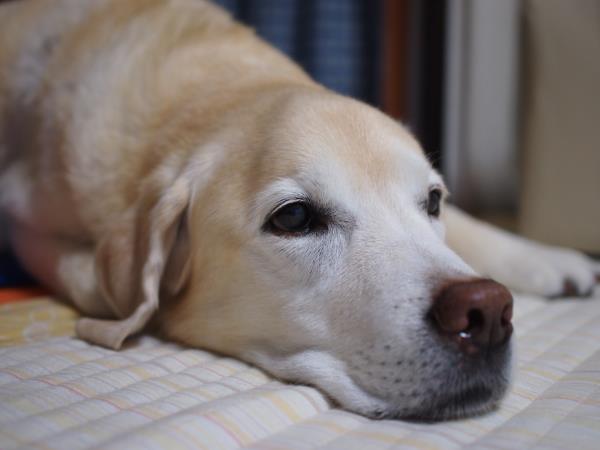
(292, 218)
(433, 202)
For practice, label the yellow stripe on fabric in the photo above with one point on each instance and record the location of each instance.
(230, 427)
(329, 425)
(284, 407)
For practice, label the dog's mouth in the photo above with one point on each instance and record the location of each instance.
(473, 401)
(469, 396)
(464, 386)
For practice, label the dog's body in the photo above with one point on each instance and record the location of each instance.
(146, 149)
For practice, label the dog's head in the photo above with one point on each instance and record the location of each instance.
(313, 246)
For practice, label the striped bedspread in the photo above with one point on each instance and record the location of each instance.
(57, 392)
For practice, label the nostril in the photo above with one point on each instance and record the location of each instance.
(476, 320)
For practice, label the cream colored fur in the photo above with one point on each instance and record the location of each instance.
(144, 144)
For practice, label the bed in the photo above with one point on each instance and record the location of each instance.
(58, 392)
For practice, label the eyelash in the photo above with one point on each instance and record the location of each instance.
(320, 217)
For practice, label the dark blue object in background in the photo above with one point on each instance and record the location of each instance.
(335, 41)
(11, 273)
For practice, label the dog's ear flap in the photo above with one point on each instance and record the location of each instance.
(131, 263)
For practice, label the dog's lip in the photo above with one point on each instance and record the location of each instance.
(472, 401)
(479, 389)
(478, 394)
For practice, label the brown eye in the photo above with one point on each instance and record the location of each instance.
(433, 202)
(292, 218)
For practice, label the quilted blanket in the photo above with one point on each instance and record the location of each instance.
(57, 392)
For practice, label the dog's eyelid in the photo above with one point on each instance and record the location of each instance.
(319, 216)
(325, 216)
(288, 201)
(436, 197)
(439, 187)
(442, 189)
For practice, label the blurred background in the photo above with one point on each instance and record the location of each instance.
(504, 95)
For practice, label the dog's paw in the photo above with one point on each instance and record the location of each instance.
(549, 271)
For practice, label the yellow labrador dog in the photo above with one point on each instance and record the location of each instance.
(160, 164)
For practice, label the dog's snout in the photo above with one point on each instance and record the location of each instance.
(476, 314)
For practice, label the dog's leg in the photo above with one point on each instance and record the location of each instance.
(64, 267)
(520, 264)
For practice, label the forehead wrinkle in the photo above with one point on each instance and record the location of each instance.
(381, 170)
(360, 198)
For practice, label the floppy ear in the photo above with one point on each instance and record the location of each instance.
(131, 263)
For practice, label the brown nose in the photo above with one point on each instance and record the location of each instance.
(475, 314)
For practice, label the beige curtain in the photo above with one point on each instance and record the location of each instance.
(560, 191)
